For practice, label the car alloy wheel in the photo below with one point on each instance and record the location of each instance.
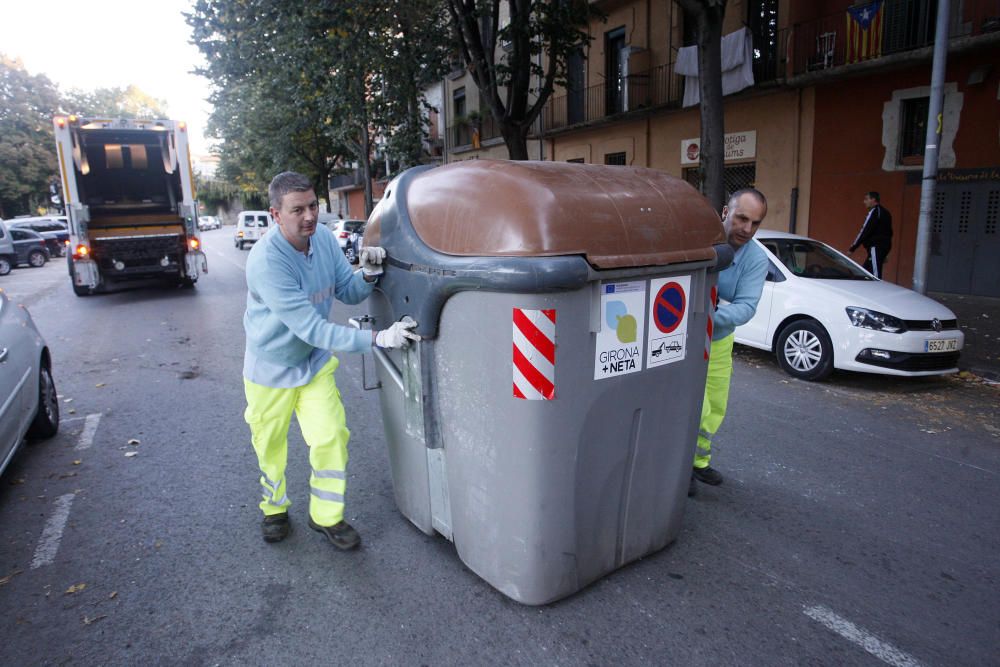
(37, 258)
(350, 255)
(4, 266)
(804, 350)
(46, 422)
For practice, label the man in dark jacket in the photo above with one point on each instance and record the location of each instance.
(875, 235)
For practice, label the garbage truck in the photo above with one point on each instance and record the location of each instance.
(129, 196)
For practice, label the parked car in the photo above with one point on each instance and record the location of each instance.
(251, 227)
(820, 310)
(344, 230)
(53, 229)
(29, 405)
(22, 246)
(208, 222)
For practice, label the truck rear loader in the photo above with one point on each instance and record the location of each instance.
(130, 202)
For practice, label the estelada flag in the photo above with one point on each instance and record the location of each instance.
(864, 31)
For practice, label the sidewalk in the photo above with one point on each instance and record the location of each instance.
(979, 318)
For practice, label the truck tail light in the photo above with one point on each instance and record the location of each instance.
(81, 252)
(194, 244)
(344, 235)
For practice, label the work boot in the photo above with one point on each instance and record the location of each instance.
(708, 475)
(275, 527)
(341, 535)
(692, 487)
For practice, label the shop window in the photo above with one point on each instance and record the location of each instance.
(735, 177)
(615, 159)
(913, 130)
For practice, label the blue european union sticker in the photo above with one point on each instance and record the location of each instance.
(609, 289)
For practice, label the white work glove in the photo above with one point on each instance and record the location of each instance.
(398, 335)
(371, 260)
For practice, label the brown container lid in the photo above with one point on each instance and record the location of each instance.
(615, 216)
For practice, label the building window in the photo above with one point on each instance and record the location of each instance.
(735, 177)
(615, 159)
(913, 130)
(458, 103)
(762, 18)
(614, 59)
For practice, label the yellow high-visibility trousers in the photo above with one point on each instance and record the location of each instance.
(713, 409)
(321, 417)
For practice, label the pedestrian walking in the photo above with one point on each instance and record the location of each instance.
(293, 276)
(739, 287)
(875, 235)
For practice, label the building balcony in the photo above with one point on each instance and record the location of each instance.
(903, 25)
(347, 181)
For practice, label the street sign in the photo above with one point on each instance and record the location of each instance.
(668, 320)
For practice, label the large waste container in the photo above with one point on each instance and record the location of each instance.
(546, 423)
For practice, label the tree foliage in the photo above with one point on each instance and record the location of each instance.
(511, 80)
(308, 86)
(128, 102)
(27, 146)
(708, 15)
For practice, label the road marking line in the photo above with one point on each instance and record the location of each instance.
(89, 430)
(48, 544)
(869, 642)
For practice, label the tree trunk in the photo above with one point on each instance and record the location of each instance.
(516, 139)
(712, 127)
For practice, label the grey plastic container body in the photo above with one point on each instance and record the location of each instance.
(541, 497)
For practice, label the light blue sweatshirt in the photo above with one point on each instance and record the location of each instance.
(288, 321)
(740, 284)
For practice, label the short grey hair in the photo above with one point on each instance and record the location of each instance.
(753, 192)
(285, 182)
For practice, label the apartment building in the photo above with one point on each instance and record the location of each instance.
(827, 99)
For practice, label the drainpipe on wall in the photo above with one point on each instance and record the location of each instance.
(793, 210)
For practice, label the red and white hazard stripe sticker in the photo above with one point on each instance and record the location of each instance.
(713, 299)
(534, 354)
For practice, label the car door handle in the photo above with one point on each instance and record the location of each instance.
(3, 355)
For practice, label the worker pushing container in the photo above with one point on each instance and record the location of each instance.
(547, 421)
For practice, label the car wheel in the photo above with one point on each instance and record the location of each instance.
(4, 266)
(240, 245)
(46, 422)
(350, 254)
(186, 283)
(804, 350)
(37, 258)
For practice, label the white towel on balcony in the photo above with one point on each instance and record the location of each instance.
(737, 66)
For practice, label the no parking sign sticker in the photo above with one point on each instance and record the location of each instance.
(668, 320)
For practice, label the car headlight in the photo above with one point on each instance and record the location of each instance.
(872, 319)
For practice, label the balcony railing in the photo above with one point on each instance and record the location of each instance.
(905, 25)
(473, 132)
(349, 180)
(655, 88)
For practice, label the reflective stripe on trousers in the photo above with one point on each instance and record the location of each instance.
(713, 409)
(321, 418)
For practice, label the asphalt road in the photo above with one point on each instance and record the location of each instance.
(859, 523)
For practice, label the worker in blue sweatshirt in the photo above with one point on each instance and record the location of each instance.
(293, 275)
(740, 286)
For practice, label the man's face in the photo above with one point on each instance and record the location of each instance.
(297, 217)
(743, 219)
(869, 202)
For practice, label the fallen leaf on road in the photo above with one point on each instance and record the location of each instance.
(67, 400)
(99, 384)
(72, 411)
(133, 441)
(77, 462)
(75, 588)
(15, 482)
(67, 475)
(130, 454)
(6, 580)
(87, 620)
(113, 595)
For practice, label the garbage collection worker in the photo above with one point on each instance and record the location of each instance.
(739, 286)
(293, 275)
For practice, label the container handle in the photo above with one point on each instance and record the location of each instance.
(379, 354)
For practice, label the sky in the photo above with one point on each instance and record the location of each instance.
(112, 44)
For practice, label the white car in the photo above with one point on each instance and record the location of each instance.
(819, 310)
(29, 405)
(346, 233)
(208, 222)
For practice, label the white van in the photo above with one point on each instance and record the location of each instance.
(251, 227)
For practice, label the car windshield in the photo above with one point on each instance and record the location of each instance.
(353, 225)
(811, 259)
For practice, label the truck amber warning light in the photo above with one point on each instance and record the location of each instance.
(81, 251)
(194, 243)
